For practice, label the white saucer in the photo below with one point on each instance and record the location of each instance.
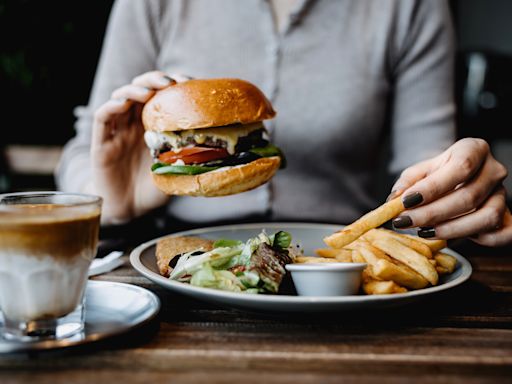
(110, 309)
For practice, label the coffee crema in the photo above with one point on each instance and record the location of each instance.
(49, 230)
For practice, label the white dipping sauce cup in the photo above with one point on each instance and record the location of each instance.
(326, 279)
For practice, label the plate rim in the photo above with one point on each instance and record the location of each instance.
(188, 289)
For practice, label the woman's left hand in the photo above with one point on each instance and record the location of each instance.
(457, 194)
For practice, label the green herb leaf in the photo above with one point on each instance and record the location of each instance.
(281, 240)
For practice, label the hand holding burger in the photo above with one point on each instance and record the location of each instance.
(119, 158)
(121, 165)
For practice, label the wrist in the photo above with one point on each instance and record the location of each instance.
(112, 212)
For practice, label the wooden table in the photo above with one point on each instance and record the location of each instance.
(463, 336)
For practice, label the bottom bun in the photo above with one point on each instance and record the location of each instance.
(222, 182)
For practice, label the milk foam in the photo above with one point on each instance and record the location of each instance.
(44, 287)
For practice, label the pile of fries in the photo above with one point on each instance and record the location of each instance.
(396, 262)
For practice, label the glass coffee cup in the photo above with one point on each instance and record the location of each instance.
(47, 243)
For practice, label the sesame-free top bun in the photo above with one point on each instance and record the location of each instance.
(222, 182)
(205, 103)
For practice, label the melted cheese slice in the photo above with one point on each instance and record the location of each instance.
(229, 134)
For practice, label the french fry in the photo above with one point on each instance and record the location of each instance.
(367, 276)
(340, 254)
(354, 245)
(376, 287)
(371, 260)
(357, 257)
(344, 258)
(373, 286)
(327, 252)
(382, 267)
(400, 274)
(433, 262)
(446, 261)
(441, 270)
(369, 221)
(434, 245)
(409, 241)
(409, 257)
(370, 254)
(314, 259)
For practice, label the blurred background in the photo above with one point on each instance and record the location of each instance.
(50, 50)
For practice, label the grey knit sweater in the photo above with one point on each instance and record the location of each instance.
(339, 73)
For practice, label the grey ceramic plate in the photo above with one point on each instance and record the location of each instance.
(309, 236)
(110, 309)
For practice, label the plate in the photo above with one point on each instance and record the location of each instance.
(110, 309)
(309, 236)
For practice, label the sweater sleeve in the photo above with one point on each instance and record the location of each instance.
(130, 48)
(422, 112)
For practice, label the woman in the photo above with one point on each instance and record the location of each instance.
(339, 74)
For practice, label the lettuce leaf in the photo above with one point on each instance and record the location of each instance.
(164, 169)
(210, 278)
(230, 265)
(226, 243)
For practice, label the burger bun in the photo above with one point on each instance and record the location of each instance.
(205, 103)
(222, 182)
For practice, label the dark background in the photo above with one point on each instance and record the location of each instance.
(49, 54)
(50, 50)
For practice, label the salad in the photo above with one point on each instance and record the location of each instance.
(256, 266)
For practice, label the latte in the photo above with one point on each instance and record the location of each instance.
(45, 251)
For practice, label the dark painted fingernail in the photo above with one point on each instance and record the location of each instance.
(402, 222)
(412, 200)
(170, 80)
(391, 195)
(427, 233)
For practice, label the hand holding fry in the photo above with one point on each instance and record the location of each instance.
(458, 194)
(396, 262)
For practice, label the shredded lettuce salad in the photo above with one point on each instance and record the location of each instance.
(256, 266)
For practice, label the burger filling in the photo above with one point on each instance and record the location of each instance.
(197, 151)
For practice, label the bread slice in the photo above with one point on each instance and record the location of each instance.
(169, 247)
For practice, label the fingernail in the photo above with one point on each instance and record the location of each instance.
(412, 200)
(120, 101)
(391, 195)
(402, 222)
(167, 80)
(427, 232)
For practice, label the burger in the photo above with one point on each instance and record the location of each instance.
(207, 138)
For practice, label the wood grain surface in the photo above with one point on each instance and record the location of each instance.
(462, 336)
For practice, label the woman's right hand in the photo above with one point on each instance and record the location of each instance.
(120, 159)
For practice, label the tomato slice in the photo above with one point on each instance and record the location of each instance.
(193, 155)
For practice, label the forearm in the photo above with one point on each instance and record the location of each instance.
(73, 172)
